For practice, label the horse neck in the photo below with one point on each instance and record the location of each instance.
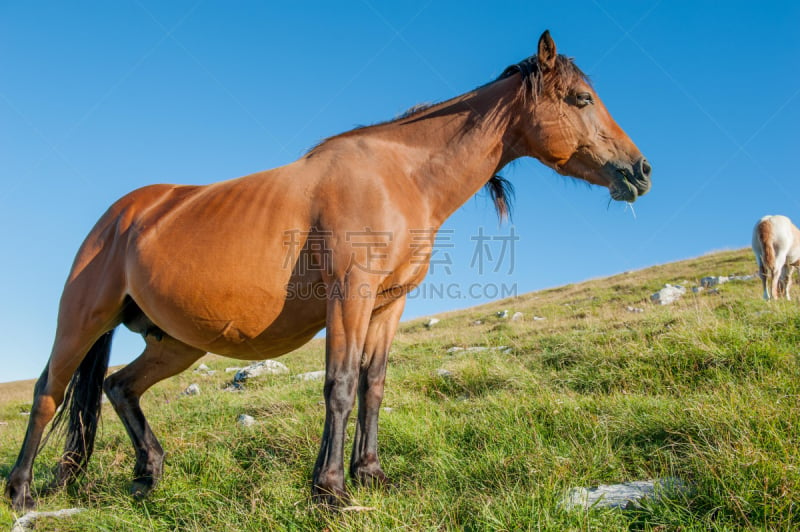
(457, 146)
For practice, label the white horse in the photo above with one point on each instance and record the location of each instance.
(776, 243)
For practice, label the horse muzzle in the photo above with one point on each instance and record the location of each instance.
(629, 181)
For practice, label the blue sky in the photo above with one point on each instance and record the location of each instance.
(100, 98)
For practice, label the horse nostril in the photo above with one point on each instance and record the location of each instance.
(645, 167)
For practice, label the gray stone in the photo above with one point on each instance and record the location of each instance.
(265, 367)
(192, 389)
(713, 280)
(697, 289)
(27, 521)
(742, 277)
(477, 349)
(668, 294)
(431, 322)
(245, 420)
(625, 495)
(517, 316)
(477, 322)
(538, 318)
(444, 373)
(231, 370)
(202, 367)
(454, 349)
(311, 376)
(634, 309)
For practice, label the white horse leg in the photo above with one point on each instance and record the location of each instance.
(778, 276)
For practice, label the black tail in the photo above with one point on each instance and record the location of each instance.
(82, 401)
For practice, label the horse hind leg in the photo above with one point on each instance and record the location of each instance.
(787, 283)
(18, 484)
(163, 357)
(63, 368)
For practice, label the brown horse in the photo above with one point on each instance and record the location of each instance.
(254, 267)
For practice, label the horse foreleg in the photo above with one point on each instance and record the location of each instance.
(347, 321)
(160, 359)
(365, 465)
(778, 276)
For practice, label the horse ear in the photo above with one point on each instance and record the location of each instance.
(547, 51)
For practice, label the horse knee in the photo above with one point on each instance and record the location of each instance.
(340, 393)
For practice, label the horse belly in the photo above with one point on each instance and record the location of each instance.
(240, 308)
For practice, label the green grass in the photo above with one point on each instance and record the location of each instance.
(705, 390)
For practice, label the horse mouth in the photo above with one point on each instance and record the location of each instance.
(627, 187)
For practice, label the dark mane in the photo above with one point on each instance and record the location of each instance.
(502, 193)
(557, 80)
(414, 109)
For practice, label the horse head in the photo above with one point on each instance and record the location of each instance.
(566, 126)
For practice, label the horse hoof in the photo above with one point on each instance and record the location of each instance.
(141, 488)
(21, 501)
(330, 498)
(373, 479)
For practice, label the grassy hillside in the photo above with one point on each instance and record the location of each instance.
(705, 390)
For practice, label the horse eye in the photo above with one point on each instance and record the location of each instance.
(583, 99)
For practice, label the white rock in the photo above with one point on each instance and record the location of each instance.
(517, 316)
(431, 322)
(454, 349)
(538, 318)
(27, 521)
(265, 367)
(311, 376)
(192, 389)
(477, 349)
(742, 277)
(624, 495)
(668, 294)
(503, 314)
(201, 367)
(358, 509)
(714, 280)
(634, 309)
(245, 420)
(231, 370)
